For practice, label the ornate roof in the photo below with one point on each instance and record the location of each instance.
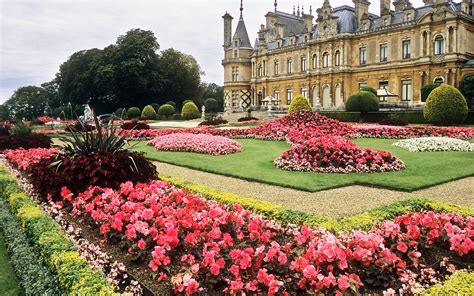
(241, 33)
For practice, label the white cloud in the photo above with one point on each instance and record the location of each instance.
(36, 36)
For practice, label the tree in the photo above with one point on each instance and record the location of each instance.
(363, 102)
(181, 76)
(467, 89)
(212, 90)
(369, 89)
(27, 102)
(427, 89)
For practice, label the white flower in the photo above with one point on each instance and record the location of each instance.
(435, 144)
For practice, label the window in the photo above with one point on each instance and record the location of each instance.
(406, 49)
(289, 66)
(439, 45)
(276, 68)
(289, 96)
(303, 64)
(383, 52)
(276, 95)
(407, 90)
(259, 70)
(236, 43)
(264, 68)
(337, 58)
(325, 60)
(439, 80)
(363, 55)
(362, 84)
(315, 61)
(253, 69)
(236, 53)
(304, 92)
(235, 73)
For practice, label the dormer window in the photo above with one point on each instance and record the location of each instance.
(236, 43)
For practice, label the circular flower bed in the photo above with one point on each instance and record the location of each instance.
(200, 143)
(336, 155)
(435, 144)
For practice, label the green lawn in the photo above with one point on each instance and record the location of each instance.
(255, 163)
(8, 281)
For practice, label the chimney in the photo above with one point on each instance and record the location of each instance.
(384, 7)
(270, 20)
(466, 7)
(400, 5)
(361, 8)
(308, 22)
(227, 29)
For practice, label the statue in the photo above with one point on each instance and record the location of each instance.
(317, 106)
(203, 114)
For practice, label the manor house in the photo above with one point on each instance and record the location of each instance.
(328, 56)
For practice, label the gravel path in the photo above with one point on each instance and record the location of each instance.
(334, 202)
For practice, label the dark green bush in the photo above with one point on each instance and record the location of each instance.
(156, 107)
(148, 113)
(369, 89)
(120, 112)
(211, 105)
(166, 110)
(426, 90)
(343, 116)
(190, 111)
(299, 103)
(172, 104)
(134, 112)
(445, 105)
(363, 102)
(177, 117)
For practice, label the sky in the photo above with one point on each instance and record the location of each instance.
(36, 36)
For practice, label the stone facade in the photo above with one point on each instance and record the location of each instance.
(333, 54)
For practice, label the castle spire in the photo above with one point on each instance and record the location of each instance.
(302, 9)
(275, 4)
(241, 8)
(294, 12)
(311, 9)
(298, 10)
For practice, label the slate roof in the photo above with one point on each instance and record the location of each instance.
(291, 22)
(241, 33)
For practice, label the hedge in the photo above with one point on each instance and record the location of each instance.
(342, 116)
(459, 283)
(34, 276)
(364, 220)
(73, 272)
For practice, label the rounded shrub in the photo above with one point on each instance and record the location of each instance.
(445, 105)
(134, 112)
(427, 89)
(211, 105)
(166, 110)
(299, 103)
(363, 102)
(172, 104)
(120, 112)
(155, 106)
(190, 111)
(148, 112)
(187, 101)
(369, 89)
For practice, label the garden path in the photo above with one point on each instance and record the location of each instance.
(336, 203)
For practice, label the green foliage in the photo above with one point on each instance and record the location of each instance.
(9, 283)
(299, 103)
(134, 113)
(177, 117)
(212, 90)
(172, 103)
(120, 112)
(460, 283)
(211, 105)
(155, 106)
(363, 102)
(21, 129)
(148, 113)
(342, 116)
(187, 101)
(190, 111)
(445, 105)
(166, 110)
(426, 90)
(467, 89)
(369, 89)
(27, 102)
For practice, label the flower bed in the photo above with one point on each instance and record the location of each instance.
(336, 155)
(200, 143)
(33, 141)
(228, 248)
(435, 144)
(397, 132)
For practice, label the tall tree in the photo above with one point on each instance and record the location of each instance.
(27, 102)
(212, 90)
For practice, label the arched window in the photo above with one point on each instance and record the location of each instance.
(276, 68)
(325, 60)
(439, 45)
(337, 58)
(260, 70)
(439, 80)
(315, 61)
(289, 66)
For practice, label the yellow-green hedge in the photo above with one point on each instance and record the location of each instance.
(460, 283)
(73, 272)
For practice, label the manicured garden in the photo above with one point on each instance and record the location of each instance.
(255, 163)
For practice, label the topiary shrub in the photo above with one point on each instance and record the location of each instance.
(190, 111)
(134, 112)
(120, 112)
(166, 110)
(148, 113)
(172, 104)
(363, 102)
(186, 101)
(369, 89)
(155, 106)
(445, 105)
(211, 105)
(426, 90)
(299, 103)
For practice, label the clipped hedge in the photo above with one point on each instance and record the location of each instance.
(134, 113)
(148, 112)
(73, 272)
(299, 103)
(342, 115)
(190, 111)
(445, 105)
(459, 283)
(362, 101)
(166, 110)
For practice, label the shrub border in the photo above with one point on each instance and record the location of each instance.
(74, 274)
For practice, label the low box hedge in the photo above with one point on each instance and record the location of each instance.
(73, 272)
(342, 116)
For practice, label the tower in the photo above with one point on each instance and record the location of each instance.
(237, 65)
